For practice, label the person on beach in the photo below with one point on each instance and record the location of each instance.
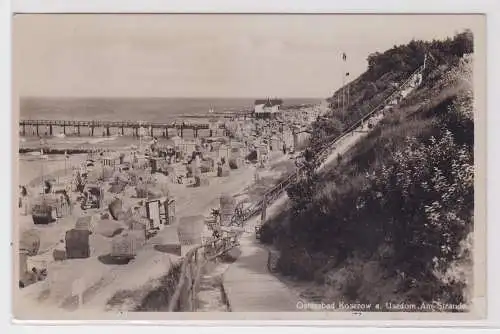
(256, 174)
(20, 203)
(58, 207)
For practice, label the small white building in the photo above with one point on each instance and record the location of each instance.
(269, 108)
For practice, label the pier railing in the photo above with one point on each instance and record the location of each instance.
(111, 124)
(49, 125)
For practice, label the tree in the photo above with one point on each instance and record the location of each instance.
(463, 43)
(373, 59)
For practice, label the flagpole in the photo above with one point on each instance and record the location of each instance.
(343, 93)
(342, 88)
(338, 101)
(348, 89)
(345, 75)
(343, 97)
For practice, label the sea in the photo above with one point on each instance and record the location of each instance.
(161, 110)
(134, 109)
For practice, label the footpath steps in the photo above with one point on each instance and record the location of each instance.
(211, 297)
(248, 284)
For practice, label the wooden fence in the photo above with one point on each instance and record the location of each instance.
(184, 297)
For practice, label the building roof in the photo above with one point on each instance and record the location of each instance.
(269, 102)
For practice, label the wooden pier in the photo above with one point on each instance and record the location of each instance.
(163, 128)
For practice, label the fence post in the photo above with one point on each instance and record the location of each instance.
(194, 281)
(188, 290)
(264, 209)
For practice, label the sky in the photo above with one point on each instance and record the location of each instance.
(158, 55)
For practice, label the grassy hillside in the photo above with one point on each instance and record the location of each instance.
(392, 220)
(385, 71)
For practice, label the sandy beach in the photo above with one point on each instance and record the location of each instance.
(105, 281)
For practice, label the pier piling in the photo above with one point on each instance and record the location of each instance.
(32, 127)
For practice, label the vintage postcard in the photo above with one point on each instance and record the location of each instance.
(249, 167)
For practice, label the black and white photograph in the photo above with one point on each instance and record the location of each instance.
(236, 166)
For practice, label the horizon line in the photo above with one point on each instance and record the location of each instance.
(171, 97)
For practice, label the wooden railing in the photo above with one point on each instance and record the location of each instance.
(330, 142)
(114, 124)
(184, 297)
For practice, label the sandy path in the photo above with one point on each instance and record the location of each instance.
(348, 141)
(247, 282)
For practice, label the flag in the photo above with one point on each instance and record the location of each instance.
(344, 56)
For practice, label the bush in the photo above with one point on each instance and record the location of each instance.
(429, 191)
(409, 185)
(267, 234)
